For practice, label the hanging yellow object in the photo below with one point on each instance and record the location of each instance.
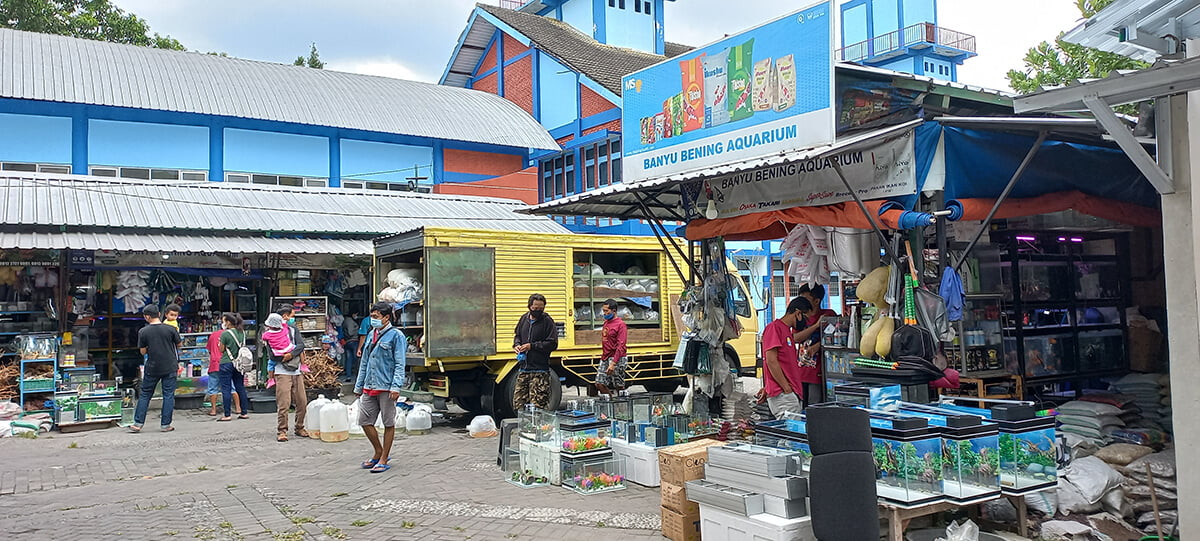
(869, 345)
(883, 345)
(874, 286)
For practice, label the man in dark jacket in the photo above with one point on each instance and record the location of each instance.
(534, 339)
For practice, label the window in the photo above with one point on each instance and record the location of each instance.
(621, 4)
(612, 3)
(371, 185)
(233, 177)
(580, 169)
(146, 173)
(646, 9)
(27, 167)
(35, 167)
(276, 180)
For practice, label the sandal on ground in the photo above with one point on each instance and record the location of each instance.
(224, 419)
(243, 416)
(369, 463)
(167, 428)
(281, 437)
(380, 468)
(302, 433)
(135, 428)
(212, 414)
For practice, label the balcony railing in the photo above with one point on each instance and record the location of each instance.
(917, 34)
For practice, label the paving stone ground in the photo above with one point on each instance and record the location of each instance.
(233, 481)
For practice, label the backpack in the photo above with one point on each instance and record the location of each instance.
(243, 361)
(914, 348)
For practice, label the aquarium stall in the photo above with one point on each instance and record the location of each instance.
(1027, 442)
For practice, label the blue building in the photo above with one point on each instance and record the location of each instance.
(77, 106)
(902, 35)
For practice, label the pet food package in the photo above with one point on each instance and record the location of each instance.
(646, 130)
(785, 82)
(691, 73)
(677, 115)
(660, 127)
(740, 67)
(716, 88)
(764, 89)
(668, 118)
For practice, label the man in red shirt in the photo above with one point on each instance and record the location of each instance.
(610, 374)
(781, 365)
(810, 372)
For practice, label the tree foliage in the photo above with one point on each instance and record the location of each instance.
(88, 19)
(1061, 63)
(313, 60)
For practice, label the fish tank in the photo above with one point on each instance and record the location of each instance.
(537, 425)
(650, 405)
(1028, 447)
(868, 395)
(626, 431)
(613, 408)
(571, 415)
(908, 459)
(789, 434)
(970, 454)
(581, 439)
(594, 476)
(701, 425)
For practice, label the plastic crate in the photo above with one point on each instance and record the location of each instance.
(38, 384)
(543, 459)
(641, 462)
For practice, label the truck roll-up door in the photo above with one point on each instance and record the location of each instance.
(460, 297)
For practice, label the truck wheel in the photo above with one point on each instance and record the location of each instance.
(502, 400)
(473, 404)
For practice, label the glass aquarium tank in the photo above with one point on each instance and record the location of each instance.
(626, 431)
(908, 459)
(970, 454)
(1101, 350)
(585, 438)
(869, 395)
(537, 425)
(650, 405)
(1028, 448)
(1046, 355)
(613, 408)
(595, 476)
(789, 434)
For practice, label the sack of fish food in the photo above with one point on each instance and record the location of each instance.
(716, 88)
(740, 66)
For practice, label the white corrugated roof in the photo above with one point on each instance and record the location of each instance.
(57, 68)
(131, 242)
(76, 201)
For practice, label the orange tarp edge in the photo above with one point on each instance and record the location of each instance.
(775, 224)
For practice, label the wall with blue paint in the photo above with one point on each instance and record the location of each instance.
(905, 64)
(35, 138)
(144, 144)
(558, 93)
(886, 16)
(578, 13)
(629, 28)
(277, 153)
(854, 25)
(920, 11)
(384, 161)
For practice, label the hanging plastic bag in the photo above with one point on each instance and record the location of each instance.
(967, 531)
(482, 427)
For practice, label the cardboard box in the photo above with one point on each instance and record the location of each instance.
(680, 527)
(681, 463)
(674, 497)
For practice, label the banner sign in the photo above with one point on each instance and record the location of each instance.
(879, 171)
(763, 91)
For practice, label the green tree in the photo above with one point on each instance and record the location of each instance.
(313, 60)
(88, 19)
(1062, 63)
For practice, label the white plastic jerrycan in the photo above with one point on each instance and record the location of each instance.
(313, 414)
(335, 423)
(352, 418)
(420, 419)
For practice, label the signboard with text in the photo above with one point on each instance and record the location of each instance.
(765, 90)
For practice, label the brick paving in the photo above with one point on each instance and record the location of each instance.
(233, 481)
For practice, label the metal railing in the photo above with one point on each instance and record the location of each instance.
(512, 4)
(920, 33)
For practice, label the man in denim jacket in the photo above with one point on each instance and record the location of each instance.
(380, 378)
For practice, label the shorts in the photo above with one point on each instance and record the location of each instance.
(214, 383)
(784, 403)
(617, 379)
(371, 407)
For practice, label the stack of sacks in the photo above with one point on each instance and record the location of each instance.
(1164, 402)
(1092, 422)
(1146, 393)
(1089, 485)
(1137, 489)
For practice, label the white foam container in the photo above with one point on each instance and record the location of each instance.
(719, 525)
(641, 462)
(543, 459)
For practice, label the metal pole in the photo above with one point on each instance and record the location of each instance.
(883, 241)
(661, 241)
(1003, 195)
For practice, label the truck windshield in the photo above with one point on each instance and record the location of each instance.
(741, 302)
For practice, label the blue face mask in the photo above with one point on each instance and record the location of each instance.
(376, 323)
(609, 315)
(291, 321)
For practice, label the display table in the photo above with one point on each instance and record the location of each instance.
(981, 381)
(898, 517)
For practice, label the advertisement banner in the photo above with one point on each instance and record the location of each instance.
(762, 91)
(879, 171)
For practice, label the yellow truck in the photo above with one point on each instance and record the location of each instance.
(474, 286)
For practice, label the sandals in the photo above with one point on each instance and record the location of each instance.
(243, 416)
(136, 429)
(380, 468)
(168, 428)
(281, 438)
(369, 464)
(224, 419)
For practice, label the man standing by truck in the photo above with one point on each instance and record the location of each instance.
(534, 339)
(610, 375)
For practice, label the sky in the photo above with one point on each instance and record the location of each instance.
(413, 39)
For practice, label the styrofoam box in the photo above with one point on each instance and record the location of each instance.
(641, 461)
(542, 459)
(719, 525)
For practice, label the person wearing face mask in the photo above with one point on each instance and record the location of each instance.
(533, 340)
(381, 376)
(233, 382)
(810, 371)
(781, 368)
(289, 380)
(610, 374)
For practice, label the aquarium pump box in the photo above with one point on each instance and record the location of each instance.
(908, 459)
(970, 455)
(870, 396)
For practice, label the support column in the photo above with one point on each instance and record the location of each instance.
(1181, 254)
(79, 143)
(335, 161)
